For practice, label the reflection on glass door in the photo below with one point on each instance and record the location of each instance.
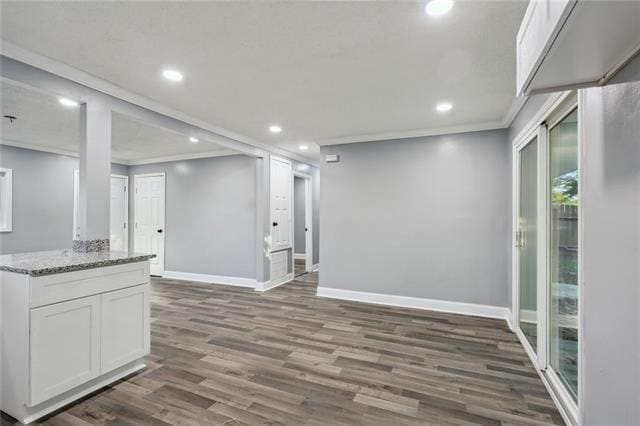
(527, 241)
(563, 251)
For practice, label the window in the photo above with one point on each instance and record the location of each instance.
(6, 199)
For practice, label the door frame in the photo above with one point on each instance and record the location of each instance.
(308, 218)
(555, 108)
(164, 216)
(76, 193)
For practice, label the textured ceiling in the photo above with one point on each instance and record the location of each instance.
(325, 71)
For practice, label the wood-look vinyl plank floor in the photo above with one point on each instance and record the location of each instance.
(230, 356)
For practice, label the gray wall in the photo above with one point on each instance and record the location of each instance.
(42, 199)
(424, 217)
(299, 237)
(610, 293)
(210, 216)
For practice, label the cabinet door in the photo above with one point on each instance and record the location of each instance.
(65, 346)
(125, 326)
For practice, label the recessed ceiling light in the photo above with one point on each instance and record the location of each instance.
(275, 128)
(303, 147)
(444, 107)
(172, 75)
(68, 102)
(438, 7)
(194, 140)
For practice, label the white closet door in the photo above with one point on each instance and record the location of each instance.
(118, 217)
(281, 179)
(149, 219)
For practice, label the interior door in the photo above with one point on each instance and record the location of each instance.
(280, 200)
(149, 219)
(118, 217)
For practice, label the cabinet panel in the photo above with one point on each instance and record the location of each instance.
(125, 326)
(55, 288)
(65, 347)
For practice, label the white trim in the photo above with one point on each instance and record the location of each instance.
(6, 183)
(549, 105)
(271, 284)
(487, 311)
(76, 75)
(181, 157)
(405, 134)
(515, 107)
(315, 268)
(210, 279)
(299, 256)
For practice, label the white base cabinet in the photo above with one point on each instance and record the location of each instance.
(55, 353)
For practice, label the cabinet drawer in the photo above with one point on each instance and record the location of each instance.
(56, 288)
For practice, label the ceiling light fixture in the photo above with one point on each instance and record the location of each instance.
(438, 7)
(275, 128)
(303, 147)
(194, 140)
(172, 75)
(68, 102)
(444, 107)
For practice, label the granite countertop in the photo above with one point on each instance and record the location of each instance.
(58, 261)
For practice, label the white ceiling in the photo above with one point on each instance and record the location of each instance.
(325, 71)
(43, 124)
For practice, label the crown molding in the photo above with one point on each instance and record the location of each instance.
(515, 107)
(53, 66)
(491, 125)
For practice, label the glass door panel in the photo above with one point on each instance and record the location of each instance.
(563, 251)
(527, 242)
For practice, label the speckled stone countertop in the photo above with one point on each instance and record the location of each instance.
(59, 261)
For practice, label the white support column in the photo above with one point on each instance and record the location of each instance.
(95, 176)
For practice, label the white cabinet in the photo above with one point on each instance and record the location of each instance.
(565, 44)
(124, 326)
(65, 346)
(68, 334)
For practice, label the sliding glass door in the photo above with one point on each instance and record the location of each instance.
(547, 246)
(527, 241)
(563, 251)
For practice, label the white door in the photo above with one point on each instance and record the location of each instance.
(125, 326)
(119, 212)
(65, 344)
(280, 200)
(149, 219)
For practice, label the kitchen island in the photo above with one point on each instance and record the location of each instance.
(71, 324)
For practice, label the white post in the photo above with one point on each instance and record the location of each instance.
(95, 177)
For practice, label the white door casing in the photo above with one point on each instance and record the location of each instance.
(149, 212)
(281, 203)
(308, 220)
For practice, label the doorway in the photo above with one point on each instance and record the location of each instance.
(302, 220)
(547, 247)
(149, 215)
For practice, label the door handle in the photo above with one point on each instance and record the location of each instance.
(275, 223)
(159, 231)
(305, 229)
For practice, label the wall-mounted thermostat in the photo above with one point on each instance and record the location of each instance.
(332, 158)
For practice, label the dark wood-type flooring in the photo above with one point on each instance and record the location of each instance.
(228, 355)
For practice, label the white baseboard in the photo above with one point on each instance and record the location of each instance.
(275, 283)
(212, 279)
(417, 303)
(300, 256)
(315, 268)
